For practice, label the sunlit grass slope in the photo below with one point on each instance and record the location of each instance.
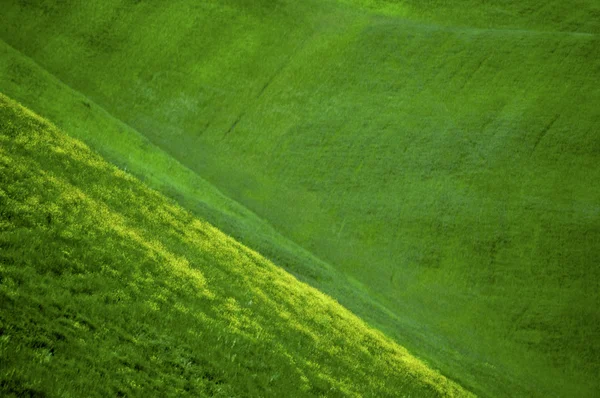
(135, 154)
(444, 156)
(109, 289)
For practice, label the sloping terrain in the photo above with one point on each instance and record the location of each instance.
(135, 154)
(109, 289)
(445, 157)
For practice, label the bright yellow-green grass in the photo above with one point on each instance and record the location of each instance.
(439, 158)
(109, 289)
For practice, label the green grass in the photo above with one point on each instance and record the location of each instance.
(550, 16)
(443, 159)
(109, 289)
(135, 154)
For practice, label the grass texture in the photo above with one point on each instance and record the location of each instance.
(441, 160)
(109, 289)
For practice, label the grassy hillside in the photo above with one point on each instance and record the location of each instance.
(136, 155)
(109, 289)
(444, 157)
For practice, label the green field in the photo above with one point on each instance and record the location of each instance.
(433, 167)
(110, 289)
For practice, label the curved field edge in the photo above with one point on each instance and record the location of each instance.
(108, 288)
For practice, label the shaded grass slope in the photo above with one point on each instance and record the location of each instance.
(444, 157)
(109, 289)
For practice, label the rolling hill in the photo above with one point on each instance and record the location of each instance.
(109, 289)
(432, 167)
